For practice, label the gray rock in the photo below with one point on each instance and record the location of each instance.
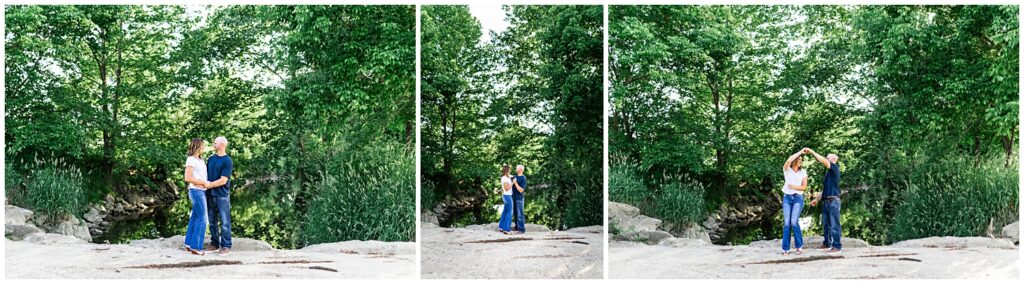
(17, 215)
(68, 225)
(647, 237)
(810, 242)
(176, 242)
(682, 242)
(93, 216)
(597, 229)
(957, 243)
(690, 231)
(17, 232)
(1012, 231)
(429, 217)
(621, 210)
(53, 239)
(639, 223)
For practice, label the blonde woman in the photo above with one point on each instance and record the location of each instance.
(195, 176)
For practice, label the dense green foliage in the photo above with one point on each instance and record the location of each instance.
(724, 94)
(530, 96)
(118, 91)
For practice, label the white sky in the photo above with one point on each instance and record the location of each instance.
(491, 17)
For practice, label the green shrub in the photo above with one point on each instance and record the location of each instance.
(681, 201)
(956, 199)
(372, 198)
(586, 207)
(427, 197)
(626, 186)
(12, 190)
(55, 189)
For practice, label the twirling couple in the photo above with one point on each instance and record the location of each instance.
(209, 188)
(512, 188)
(793, 202)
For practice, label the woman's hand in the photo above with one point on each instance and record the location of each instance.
(206, 184)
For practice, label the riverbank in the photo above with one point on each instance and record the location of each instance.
(480, 251)
(43, 255)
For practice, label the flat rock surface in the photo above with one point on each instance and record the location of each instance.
(945, 257)
(59, 256)
(477, 253)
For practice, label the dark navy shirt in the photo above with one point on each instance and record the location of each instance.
(831, 181)
(521, 180)
(217, 167)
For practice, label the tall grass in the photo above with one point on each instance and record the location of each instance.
(371, 198)
(55, 189)
(586, 206)
(677, 199)
(956, 198)
(680, 201)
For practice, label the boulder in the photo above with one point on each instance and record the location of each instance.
(690, 231)
(429, 217)
(176, 242)
(810, 242)
(67, 225)
(1012, 231)
(17, 215)
(638, 223)
(52, 239)
(647, 237)
(621, 210)
(957, 243)
(682, 242)
(596, 229)
(17, 232)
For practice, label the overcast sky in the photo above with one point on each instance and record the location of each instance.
(491, 18)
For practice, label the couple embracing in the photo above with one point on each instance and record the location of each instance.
(793, 202)
(209, 190)
(512, 188)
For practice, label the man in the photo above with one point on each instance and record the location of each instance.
(218, 197)
(519, 186)
(832, 231)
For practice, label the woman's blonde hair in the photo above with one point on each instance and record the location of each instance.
(504, 170)
(798, 162)
(195, 147)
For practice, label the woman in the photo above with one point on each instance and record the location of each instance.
(793, 202)
(195, 176)
(505, 223)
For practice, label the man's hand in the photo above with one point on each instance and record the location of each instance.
(807, 150)
(814, 203)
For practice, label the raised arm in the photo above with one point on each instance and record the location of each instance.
(822, 160)
(789, 161)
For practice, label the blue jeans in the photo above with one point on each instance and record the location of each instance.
(505, 223)
(195, 232)
(519, 215)
(220, 221)
(832, 231)
(792, 205)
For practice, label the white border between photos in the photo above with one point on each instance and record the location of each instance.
(606, 110)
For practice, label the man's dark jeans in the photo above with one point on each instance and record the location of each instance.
(220, 221)
(520, 218)
(832, 231)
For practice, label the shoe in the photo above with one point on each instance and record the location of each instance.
(824, 247)
(212, 248)
(785, 253)
(834, 251)
(799, 251)
(225, 251)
